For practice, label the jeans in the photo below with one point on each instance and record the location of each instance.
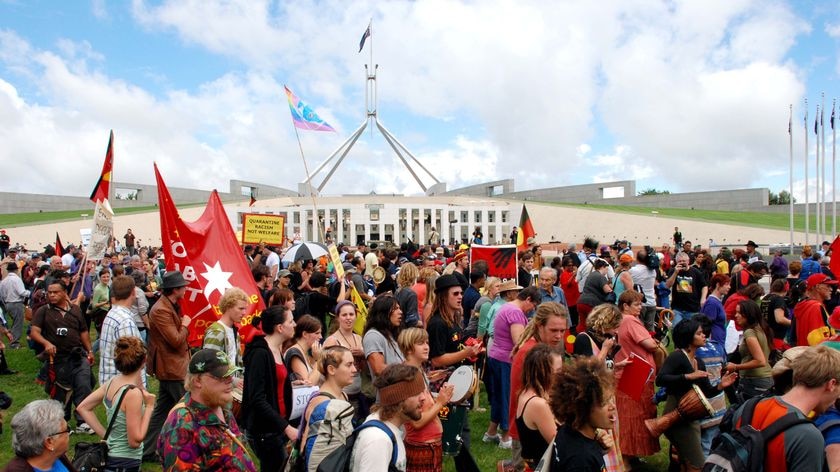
(169, 394)
(706, 437)
(16, 312)
(751, 387)
(680, 315)
(501, 392)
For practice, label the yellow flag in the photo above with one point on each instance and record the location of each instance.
(361, 311)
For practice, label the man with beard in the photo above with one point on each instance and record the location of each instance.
(548, 326)
(401, 394)
(200, 432)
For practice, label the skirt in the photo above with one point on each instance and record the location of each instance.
(423, 457)
(635, 440)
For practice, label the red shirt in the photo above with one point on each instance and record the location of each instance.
(282, 373)
(570, 287)
(516, 383)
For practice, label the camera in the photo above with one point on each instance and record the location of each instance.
(61, 332)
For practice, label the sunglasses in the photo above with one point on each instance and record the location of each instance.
(224, 380)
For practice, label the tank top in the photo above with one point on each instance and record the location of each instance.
(618, 285)
(533, 444)
(118, 447)
(282, 373)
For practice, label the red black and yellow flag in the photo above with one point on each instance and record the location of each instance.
(253, 199)
(59, 248)
(103, 185)
(526, 230)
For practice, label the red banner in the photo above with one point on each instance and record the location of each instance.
(207, 253)
(501, 260)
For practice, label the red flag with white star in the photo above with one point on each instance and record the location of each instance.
(207, 253)
(834, 264)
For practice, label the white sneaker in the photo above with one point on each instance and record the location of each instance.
(84, 428)
(488, 438)
(506, 444)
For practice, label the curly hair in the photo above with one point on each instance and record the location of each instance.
(578, 388)
(231, 297)
(407, 275)
(604, 317)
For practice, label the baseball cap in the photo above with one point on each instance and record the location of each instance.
(283, 273)
(817, 279)
(213, 362)
(349, 268)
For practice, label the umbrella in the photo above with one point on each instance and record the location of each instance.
(305, 251)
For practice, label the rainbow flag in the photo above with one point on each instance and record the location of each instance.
(303, 116)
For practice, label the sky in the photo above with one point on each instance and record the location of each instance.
(678, 95)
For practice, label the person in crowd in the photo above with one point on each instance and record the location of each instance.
(569, 286)
(548, 326)
(752, 292)
(329, 415)
(200, 433)
(169, 355)
(623, 280)
(13, 294)
(449, 348)
(302, 353)
(774, 310)
(636, 345)
(815, 389)
(267, 390)
(534, 420)
(344, 336)
(508, 325)
(283, 297)
(223, 335)
(40, 438)
(810, 266)
(125, 442)
(714, 358)
(471, 296)
(423, 437)
(594, 292)
(482, 307)
(810, 315)
(680, 371)
(779, 266)
(118, 322)
(380, 339)
(100, 303)
(59, 327)
(714, 311)
(643, 275)
(549, 292)
(689, 288)
(526, 264)
(405, 294)
(582, 399)
(401, 395)
(754, 371)
(796, 286)
(320, 303)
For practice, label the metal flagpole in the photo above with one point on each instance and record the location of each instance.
(817, 228)
(833, 173)
(790, 137)
(824, 232)
(807, 203)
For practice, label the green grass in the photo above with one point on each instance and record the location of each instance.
(23, 389)
(741, 218)
(23, 219)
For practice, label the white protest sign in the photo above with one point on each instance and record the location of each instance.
(300, 398)
(103, 226)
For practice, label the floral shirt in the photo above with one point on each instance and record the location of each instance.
(194, 438)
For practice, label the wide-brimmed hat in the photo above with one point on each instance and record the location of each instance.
(174, 279)
(751, 243)
(508, 285)
(444, 282)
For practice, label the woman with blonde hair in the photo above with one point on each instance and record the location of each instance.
(125, 442)
(421, 289)
(405, 294)
(428, 307)
(423, 437)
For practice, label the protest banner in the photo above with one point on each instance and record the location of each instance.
(100, 232)
(268, 229)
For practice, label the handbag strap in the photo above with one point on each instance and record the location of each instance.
(116, 411)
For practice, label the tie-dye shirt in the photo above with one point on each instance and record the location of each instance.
(194, 438)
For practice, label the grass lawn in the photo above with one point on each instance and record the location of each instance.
(23, 389)
(742, 218)
(23, 219)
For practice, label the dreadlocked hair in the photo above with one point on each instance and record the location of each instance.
(580, 386)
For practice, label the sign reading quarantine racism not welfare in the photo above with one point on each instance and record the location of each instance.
(268, 229)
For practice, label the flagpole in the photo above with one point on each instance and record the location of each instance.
(824, 233)
(818, 230)
(833, 173)
(315, 219)
(807, 202)
(790, 197)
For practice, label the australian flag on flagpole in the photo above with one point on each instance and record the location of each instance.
(365, 36)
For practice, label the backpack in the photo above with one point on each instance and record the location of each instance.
(302, 306)
(742, 449)
(331, 432)
(340, 459)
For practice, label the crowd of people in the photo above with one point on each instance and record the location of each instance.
(574, 354)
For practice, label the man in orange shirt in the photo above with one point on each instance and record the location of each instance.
(815, 388)
(810, 315)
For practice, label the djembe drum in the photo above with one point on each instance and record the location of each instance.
(692, 406)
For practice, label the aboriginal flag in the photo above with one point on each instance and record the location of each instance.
(59, 248)
(526, 230)
(103, 185)
(253, 199)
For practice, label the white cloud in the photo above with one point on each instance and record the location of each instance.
(685, 86)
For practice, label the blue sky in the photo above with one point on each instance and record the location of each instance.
(682, 96)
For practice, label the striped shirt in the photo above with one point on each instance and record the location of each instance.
(119, 322)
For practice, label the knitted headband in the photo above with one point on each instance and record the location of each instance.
(395, 393)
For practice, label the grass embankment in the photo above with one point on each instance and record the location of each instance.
(23, 219)
(23, 389)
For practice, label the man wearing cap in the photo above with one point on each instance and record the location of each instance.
(401, 394)
(810, 317)
(752, 254)
(13, 294)
(169, 354)
(448, 346)
(200, 433)
(5, 242)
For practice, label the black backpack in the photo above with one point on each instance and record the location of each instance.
(302, 305)
(742, 449)
(340, 459)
